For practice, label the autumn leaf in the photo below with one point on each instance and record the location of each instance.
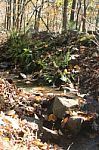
(38, 143)
(52, 117)
(38, 98)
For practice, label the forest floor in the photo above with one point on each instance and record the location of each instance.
(27, 124)
(29, 120)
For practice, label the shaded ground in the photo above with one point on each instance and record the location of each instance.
(49, 60)
(83, 143)
(25, 105)
(85, 140)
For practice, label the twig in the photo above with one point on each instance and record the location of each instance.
(70, 146)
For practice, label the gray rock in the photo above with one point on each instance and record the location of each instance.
(63, 104)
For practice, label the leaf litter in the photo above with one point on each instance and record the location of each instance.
(27, 121)
(15, 131)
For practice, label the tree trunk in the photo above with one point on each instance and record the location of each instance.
(22, 12)
(8, 15)
(84, 18)
(78, 7)
(73, 10)
(64, 28)
(36, 12)
(56, 19)
(97, 19)
(18, 13)
(39, 16)
(47, 22)
(53, 22)
(14, 13)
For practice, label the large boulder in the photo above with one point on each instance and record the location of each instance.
(63, 104)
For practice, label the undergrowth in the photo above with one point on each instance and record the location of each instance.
(42, 56)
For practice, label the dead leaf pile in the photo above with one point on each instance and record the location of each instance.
(89, 73)
(15, 131)
(20, 133)
(28, 118)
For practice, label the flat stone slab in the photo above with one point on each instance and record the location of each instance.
(63, 104)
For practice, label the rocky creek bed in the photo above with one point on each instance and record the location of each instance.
(46, 119)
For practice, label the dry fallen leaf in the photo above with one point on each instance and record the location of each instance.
(64, 121)
(52, 117)
(10, 112)
(38, 98)
(38, 143)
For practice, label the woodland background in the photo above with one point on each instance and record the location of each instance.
(51, 15)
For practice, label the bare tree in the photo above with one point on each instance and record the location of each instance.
(64, 28)
(22, 12)
(39, 16)
(73, 10)
(8, 15)
(84, 18)
(47, 22)
(97, 19)
(14, 13)
(18, 14)
(78, 12)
